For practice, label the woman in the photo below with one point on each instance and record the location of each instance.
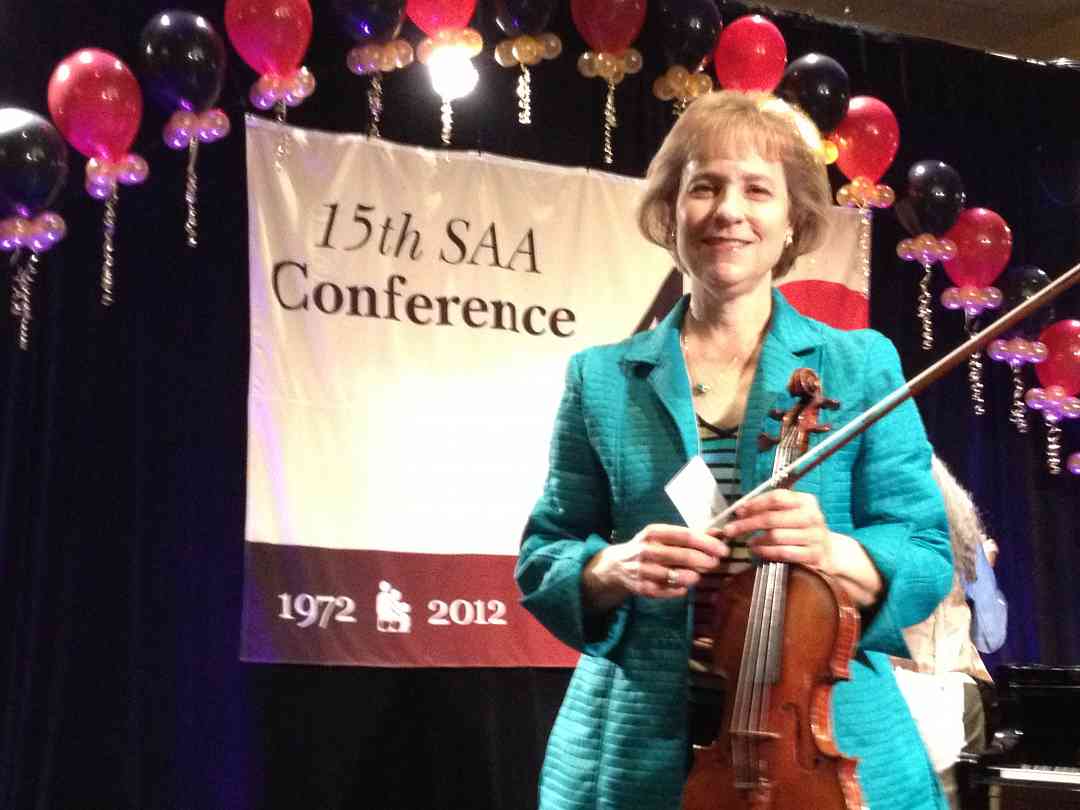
(944, 677)
(735, 193)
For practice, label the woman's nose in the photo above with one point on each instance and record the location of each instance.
(730, 206)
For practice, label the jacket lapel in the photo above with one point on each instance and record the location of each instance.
(791, 342)
(660, 350)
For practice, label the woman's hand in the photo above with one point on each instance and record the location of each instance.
(791, 528)
(660, 562)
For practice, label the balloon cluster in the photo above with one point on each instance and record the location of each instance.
(33, 169)
(272, 37)
(182, 62)
(103, 175)
(935, 196)
(1022, 345)
(866, 141)
(1059, 375)
(374, 25)
(688, 33)
(679, 83)
(447, 50)
(1017, 351)
(528, 50)
(973, 300)
(184, 128)
(97, 106)
(36, 235)
(926, 249)
(609, 27)
(447, 55)
(983, 245)
(379, 57)
(527, 44)
(465, 41)
(271, 90)
(1054, 403)
(864, 193)
(611, 67)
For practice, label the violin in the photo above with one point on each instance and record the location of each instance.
(780, 635)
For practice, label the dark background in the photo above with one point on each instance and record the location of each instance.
(122, 434)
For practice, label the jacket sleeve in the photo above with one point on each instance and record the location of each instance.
(569, 525)
(898, 513)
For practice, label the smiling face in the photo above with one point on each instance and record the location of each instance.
(732, 221)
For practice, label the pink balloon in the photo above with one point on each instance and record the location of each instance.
(750, 55)
(96, 103)
(607, 26)
(272, 36)
(432, 16)
(1062, 364)
(866, 139)
(983, 246)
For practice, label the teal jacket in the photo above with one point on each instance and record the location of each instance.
(625, 426)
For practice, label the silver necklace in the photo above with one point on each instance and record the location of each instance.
(699, 388)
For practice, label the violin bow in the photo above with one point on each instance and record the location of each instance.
(788, 475)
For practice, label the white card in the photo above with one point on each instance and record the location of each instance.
(696, 494)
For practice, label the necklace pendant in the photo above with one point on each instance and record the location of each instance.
(702, 388)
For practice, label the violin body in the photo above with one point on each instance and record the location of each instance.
(794, 763)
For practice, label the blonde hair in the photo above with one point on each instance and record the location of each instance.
(740, 123)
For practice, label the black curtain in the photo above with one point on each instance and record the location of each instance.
(123, 433)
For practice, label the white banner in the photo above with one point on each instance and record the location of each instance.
(412, 314)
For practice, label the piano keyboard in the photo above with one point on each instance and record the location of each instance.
(1062, 774)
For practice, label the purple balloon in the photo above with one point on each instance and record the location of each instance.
(182, 61)
(688, 30)
(370, 21)
(518, 17)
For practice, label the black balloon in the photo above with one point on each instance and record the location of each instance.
(182, 61)
(905, 212)
(819, 86)
(370, 21)
(937, 196)
(1017, 285)
(517, 17)
(688, 30)
(33, 162)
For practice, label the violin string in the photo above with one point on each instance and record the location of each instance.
(762, 645)
(741, 743)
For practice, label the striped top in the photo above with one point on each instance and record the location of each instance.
(718, 449)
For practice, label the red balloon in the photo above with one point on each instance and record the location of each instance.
(96, 103)
(272, 36)
(432, 16)
(983, 245)
(866, 139)
(750, 55)
(1062, 363)
(608, 26)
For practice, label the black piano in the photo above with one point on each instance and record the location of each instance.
(1032, 760)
